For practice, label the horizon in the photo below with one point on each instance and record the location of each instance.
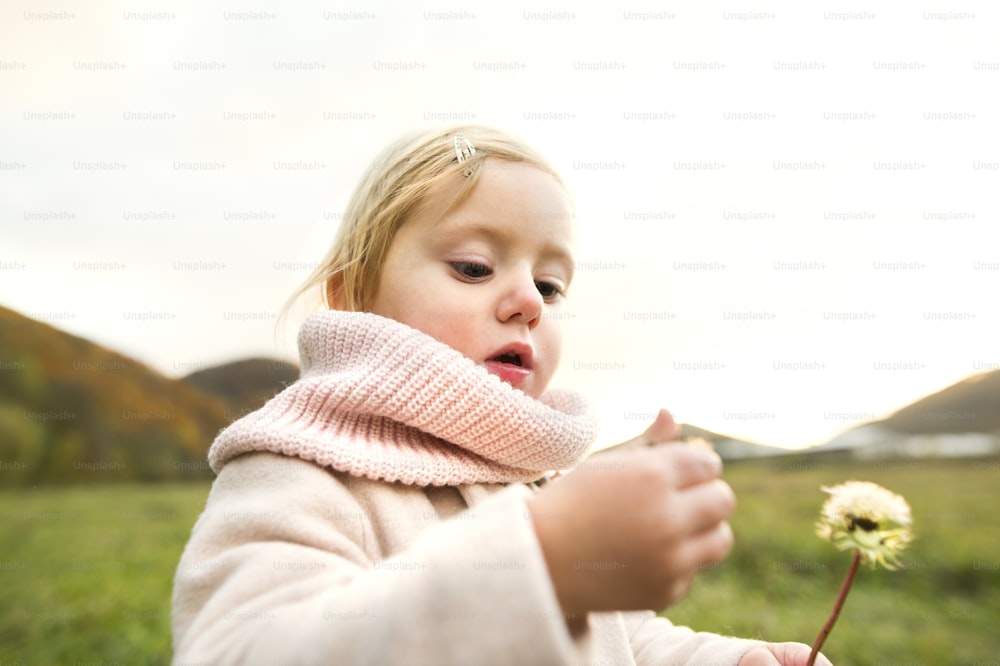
(626, 416)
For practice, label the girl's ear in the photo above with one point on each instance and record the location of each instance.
(335, 292)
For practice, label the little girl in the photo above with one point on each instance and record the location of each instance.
(392, 506)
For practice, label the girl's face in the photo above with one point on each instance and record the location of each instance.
(486, 277)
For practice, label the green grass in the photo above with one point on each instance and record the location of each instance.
(85, 573)
(780, 581)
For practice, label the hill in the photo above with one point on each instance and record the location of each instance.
(246, 384)
(730, 448)
(971, 405)
(961, 420)
(72, 411)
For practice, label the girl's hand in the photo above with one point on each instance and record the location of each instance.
(628, 529)
(782, 654)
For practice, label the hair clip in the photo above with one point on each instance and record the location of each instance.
(464, 150)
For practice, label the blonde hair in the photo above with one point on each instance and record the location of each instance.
(393, 189)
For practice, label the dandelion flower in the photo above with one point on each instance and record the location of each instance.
(866, 517)
(871, 521)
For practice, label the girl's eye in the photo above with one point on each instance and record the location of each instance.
(548, 290)
(472, 270)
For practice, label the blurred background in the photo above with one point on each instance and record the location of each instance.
(788, 233)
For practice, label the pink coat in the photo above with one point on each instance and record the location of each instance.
(375, 512)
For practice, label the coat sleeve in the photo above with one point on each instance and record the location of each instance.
(656, 641)
(278, 570)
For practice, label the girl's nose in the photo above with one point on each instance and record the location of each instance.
(521, 301)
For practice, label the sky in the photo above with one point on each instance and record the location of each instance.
(787, 213)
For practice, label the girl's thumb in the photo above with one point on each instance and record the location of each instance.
(663, 429)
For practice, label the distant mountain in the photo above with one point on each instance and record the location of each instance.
(247, 384)
(961, 420)
(72, 411)
(873, 441)
(730, 448)
(971, 405)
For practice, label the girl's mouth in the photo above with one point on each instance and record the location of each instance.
(509, 357)
(510, 372)
(512, 364)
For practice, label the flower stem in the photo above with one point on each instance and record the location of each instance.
(828, 627)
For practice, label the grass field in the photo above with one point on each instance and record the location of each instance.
(781, 581)
(85, 573)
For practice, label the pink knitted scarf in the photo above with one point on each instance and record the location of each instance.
(385, 401)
